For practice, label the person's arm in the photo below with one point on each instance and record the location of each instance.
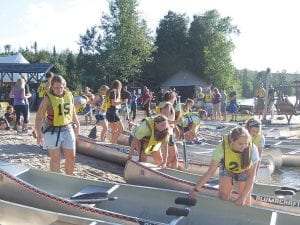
(135, 145)
(209, 173)
(27, 91)
(96, 99)
(23, 95)
(76, 123)
(241, 200)
(40, 115)
(48, 86)
(165, 154)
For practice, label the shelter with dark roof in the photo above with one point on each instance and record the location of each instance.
(185, 83)
(13, 67)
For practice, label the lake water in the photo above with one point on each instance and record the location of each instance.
(286, 176)
(250, 101)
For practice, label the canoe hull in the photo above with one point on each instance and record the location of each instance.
(134, 205)
(118, 154)
(151, 175)
(16, 214)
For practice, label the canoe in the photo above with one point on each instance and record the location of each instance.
(118, 154)
(123, 203)
(291, 159)
(16, 214)
(268, 196)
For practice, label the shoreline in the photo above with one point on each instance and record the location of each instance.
(23, 149)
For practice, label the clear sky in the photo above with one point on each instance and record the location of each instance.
(270, 34)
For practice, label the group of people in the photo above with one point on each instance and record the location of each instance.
(215, 103)
(260, 100)
(237, 156)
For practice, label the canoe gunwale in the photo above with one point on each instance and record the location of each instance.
(69, 203)
(263, 201)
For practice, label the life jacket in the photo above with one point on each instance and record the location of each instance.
(180, 109)
(192, 118)
(61, 112)
(208, 98)
(260, 93)
(256, 139)
(80, 103)
(161, 106)
(232, 160)
(153, 145)
(104, 103)
(108, 101)
(42, 89)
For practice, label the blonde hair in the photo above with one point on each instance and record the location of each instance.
(235, 134)
(20, 84)
(103, 89)
(58, 79)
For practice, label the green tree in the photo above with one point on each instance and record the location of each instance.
(71, 72)
(210, 47)
(171, 40)
(126, 43)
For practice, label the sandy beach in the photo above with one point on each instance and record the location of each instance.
(23, 149)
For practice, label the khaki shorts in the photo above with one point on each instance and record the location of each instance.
(66, 139)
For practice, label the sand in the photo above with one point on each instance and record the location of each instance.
(23, 149)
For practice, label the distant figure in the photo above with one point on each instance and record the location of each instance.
(208, 97)
(133, 106)
(147, 102)
(10, 116)
(126, 98)
(216, 101)
(113, 104)
(44, 87)
(260, 95)
(199, 99)
(100, 110)
(233, 106)
(223, 104)
(18, 94)
(271, 101)
(28, 96)
(88, 110)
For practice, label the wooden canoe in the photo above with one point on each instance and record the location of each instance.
(122, 203)
(16, 214)
(150, 175)
(118, 154)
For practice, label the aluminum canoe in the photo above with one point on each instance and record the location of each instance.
(150, 175)
(16, 214)
(122, 203)
(118, 154)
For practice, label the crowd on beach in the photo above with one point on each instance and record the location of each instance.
(114, 109)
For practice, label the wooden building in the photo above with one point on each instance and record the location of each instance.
(185, 83)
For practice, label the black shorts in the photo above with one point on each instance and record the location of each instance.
(112, 115)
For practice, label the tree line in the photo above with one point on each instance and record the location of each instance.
(121, 47)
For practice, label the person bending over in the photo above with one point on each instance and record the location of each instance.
(148, 138)
(238, 158)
